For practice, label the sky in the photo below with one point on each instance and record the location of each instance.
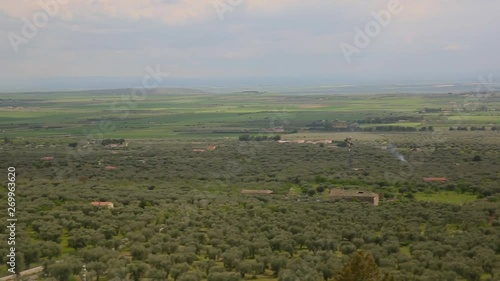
(323, 41)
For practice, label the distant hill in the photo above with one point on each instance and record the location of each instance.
(250, 92)
(152, 91)
(177, 91)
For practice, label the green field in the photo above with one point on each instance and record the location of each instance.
(177, 114)
(448, 197)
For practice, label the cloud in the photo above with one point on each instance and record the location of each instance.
(171, 13)
(453, 47)
(185, 12)
(256, 37)
(276, 6)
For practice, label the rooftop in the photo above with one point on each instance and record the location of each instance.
(435, 179)
(251, 191)
(104, 204)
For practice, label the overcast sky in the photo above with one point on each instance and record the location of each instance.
(224, 39)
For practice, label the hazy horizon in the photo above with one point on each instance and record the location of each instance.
(218, 43)
(284, 86)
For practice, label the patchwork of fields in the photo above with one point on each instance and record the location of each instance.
(178, 114)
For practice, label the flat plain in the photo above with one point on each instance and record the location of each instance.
(174, 161)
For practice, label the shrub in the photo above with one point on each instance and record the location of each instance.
(476, 158)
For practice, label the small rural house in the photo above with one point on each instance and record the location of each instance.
(435, 179)
(256, 192)
(354, 195)
(103, 204)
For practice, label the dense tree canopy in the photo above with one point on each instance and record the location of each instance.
(197, 226)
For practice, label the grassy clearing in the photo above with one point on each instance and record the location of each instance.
(404, 124)
(405, 250)
(66, 249)
(486, 276)
(448, 197)
(3, 270)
